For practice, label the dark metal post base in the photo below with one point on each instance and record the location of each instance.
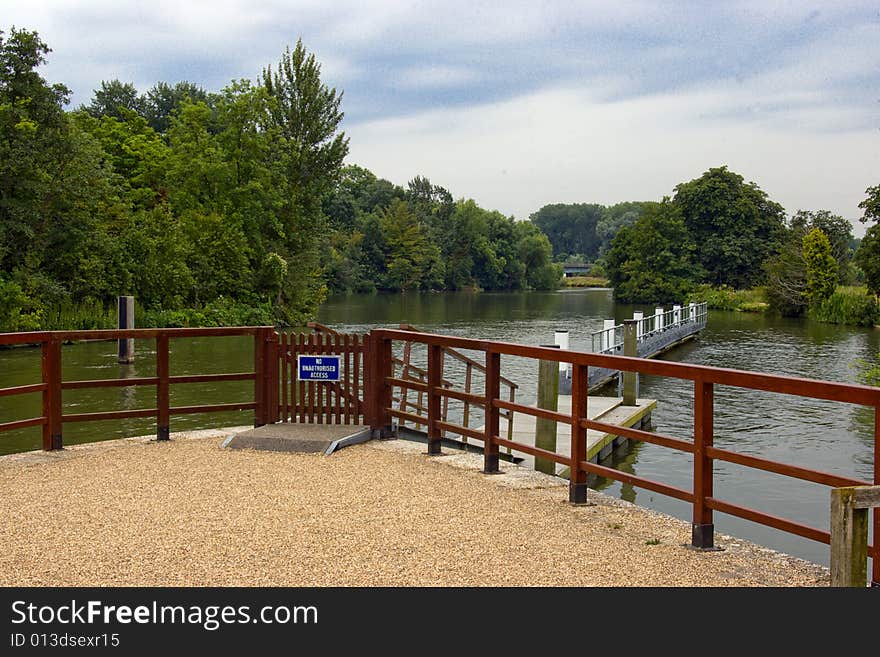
(57, 442)
(163, 433)
(490, 464)
(703, 536)
(434, 447)
(577, 493)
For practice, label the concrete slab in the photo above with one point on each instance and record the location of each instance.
(301, 438)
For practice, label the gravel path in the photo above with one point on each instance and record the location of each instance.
(189, 513)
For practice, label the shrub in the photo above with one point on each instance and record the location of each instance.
(726, 298)
(848, 305)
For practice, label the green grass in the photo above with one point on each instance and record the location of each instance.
(586, 281)
(848, 305)
(726, 298)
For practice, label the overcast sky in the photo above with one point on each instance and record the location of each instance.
(521, 104)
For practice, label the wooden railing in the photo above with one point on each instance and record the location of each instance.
(380, 412)
(52, 418)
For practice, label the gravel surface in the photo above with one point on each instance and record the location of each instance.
(190, 513)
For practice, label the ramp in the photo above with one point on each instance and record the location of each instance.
(300, 438)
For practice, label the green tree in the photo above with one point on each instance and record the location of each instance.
(613, 219)
(113, 97)
(839, 233)
(33, 133)
(305, 115)
(570, 227)
(871, 205)
(821, 267)
(413, 261)
(735, 226)
(536, 255)
(163, 101)
(868, 255)
(868, 258)
(135, 152)
(653, 261)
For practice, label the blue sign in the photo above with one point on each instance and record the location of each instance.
(318, 368)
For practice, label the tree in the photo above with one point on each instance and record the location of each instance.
(787, 275)
(821, 267)
(613, 219)
(735, 226)
(114, 96)
(652, 261)
(536, 255)
(33, 131)
(413, 261)
(305, 115)
(570, 227)
(871, 205)
(839, 233)
(868, 258)
(163, 101)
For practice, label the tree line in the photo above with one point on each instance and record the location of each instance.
(229, 207)
(721, 233)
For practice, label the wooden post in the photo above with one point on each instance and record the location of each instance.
(493, 413)
(548, 398)
(272, 352)
(125, 320)
(875, 570)
(382, 371)
(259, 380)
(577, 478)
(630, 348)
(849, 534)
(163, 396)
(51, 374)
(702, 528)
(435, 381)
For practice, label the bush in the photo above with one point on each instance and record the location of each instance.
(17, 313)
(220, 312)
(848, 305)
(726, 298)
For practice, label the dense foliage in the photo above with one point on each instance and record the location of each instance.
(389, 238)
(653, 260)
(582, 232)
(229, 207)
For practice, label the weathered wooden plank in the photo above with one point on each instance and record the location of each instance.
(849, 539)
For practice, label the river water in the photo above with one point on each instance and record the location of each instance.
(824, 435)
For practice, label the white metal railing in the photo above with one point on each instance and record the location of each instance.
(610, 338)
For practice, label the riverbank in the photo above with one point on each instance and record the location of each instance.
(189, 513)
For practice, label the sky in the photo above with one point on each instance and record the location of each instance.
(522, 104)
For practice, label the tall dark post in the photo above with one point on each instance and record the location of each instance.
(125, 320)
(259, 379)
(702, 529)
(435, 365)
(163, 393)
(493, 415)
(577, 478)
(51, 366)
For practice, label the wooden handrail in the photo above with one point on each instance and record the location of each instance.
(704, 378)
(51, 387)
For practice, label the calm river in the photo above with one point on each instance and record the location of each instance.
(824, 435)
